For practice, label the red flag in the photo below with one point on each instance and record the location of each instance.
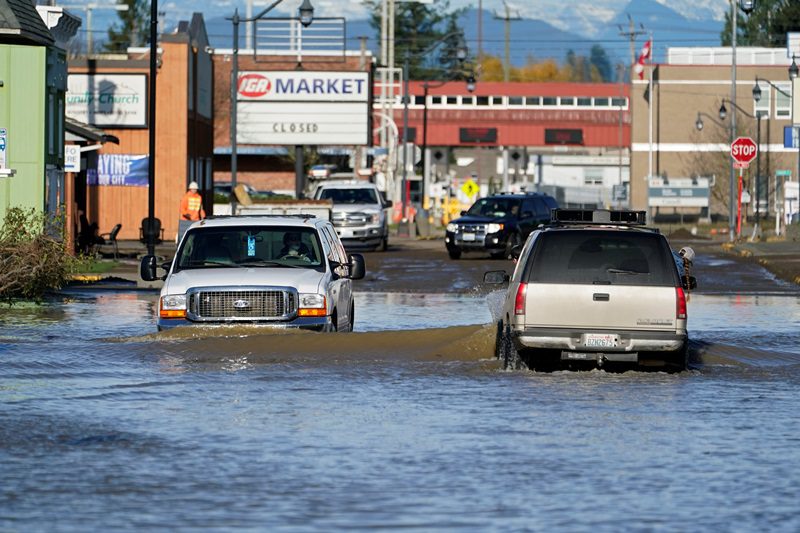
(645, 54)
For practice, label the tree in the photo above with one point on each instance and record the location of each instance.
(599, 59)
(766, 25)
(132, 28)
(417, 27)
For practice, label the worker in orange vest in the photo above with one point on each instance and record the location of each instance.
(192, 204)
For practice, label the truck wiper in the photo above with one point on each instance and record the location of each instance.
(207, 262)
(621, 271)
(265, 263)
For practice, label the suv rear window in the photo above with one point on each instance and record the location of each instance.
(349, 196)
(602, 258)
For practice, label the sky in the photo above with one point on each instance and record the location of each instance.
(560, 13)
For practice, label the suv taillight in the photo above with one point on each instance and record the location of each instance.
(519, 301)
(680, 297)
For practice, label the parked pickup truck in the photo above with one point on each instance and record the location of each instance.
(359, 213)
(273, 270)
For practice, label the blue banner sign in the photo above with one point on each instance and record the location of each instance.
(790, 136)
(119, 169)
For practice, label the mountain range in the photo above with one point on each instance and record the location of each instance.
(537, 38)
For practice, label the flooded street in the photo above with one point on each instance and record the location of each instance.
(407, 423)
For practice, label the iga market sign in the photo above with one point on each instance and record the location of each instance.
(119, 169)
(108, 99)
(303, 107)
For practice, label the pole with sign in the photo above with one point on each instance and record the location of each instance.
(743, 151)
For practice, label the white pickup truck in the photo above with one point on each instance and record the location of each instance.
(359, 213)
(286, 271)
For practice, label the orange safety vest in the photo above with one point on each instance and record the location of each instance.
(192, 206)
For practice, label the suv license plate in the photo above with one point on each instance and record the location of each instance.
(594, 340)
(468, 237)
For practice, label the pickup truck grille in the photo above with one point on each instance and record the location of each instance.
(346, 220)
(246, 305)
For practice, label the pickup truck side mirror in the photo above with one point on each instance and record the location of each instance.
(358, 267)
(387, 203)
(147, 268)
(496, 277)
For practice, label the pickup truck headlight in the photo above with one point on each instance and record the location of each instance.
(173, 306)
(312, 305)
(452, 228)
(375, 218)
(494, 228)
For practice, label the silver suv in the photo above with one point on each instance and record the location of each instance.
(594, 287)
(289, 271)
(359, 213)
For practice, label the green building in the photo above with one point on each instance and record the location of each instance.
(33, 82)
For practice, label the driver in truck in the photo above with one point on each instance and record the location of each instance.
(292, 245)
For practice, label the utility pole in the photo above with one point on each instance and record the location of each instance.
(631, 35)
(507, 19)
(480, 28)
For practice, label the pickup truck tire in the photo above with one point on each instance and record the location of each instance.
(384, 244)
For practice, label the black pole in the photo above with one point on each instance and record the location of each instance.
(769, 170)
(151, 160)
(298, 171)
(234, 96)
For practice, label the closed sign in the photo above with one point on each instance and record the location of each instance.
(72, 158)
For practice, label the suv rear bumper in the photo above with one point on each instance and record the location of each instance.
(571, 340)
(310, 323)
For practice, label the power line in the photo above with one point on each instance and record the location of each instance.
(631, 34)
(507, 20)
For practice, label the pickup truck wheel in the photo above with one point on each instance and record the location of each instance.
(384, 244)
(454, 253)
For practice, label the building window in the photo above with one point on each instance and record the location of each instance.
(452, 100)
(497, 100)
(436, 100)
(467, 100)
(549, 100)
(533, 100)
(783, 103)
(601, 102)
(619, 102)
(567, 100)
(584, 101)
(418, 100)
(482, 100)
(515, 100)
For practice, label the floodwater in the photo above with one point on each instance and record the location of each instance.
(407, 423)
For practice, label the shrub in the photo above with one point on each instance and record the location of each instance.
(34, 257)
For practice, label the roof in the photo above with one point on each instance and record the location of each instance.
(349, 184)
(260, 220)
(85, 132)
(21, 23)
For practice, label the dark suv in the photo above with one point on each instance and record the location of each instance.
(498, 223)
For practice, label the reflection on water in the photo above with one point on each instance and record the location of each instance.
(406, 423)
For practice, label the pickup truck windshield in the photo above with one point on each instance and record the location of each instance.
(251, 246)
(349, 196)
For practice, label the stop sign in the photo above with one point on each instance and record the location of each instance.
(743, 150)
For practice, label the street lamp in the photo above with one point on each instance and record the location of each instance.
(722, 114)
(699, 122)
(461, 55)
(306, 16)
(426, 86)
(757, 98)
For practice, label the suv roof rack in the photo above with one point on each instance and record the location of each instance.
(617, 217)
